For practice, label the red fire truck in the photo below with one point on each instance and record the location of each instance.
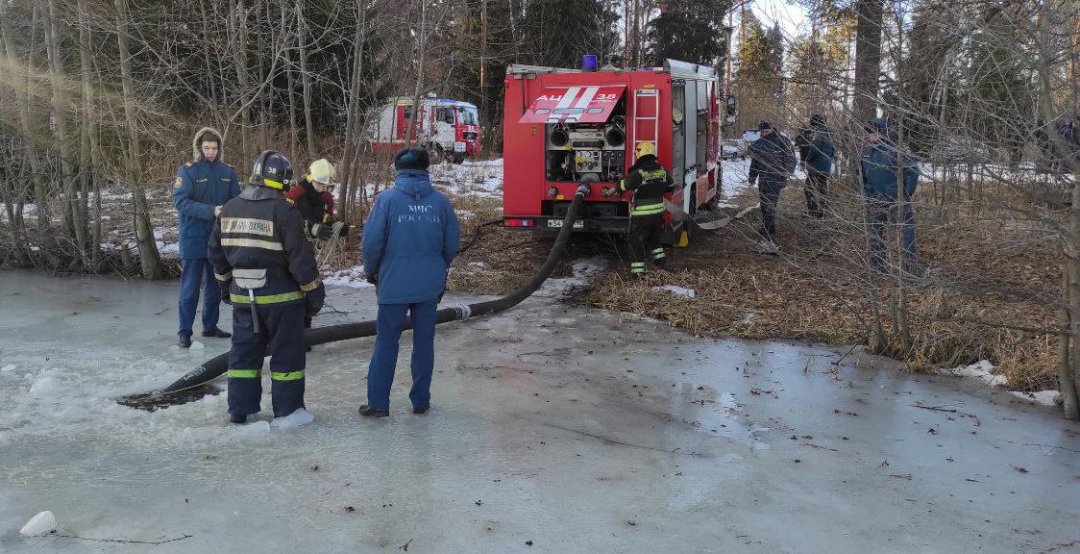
(563, 127)
(449, 129)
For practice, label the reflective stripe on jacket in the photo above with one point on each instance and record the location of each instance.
(260, 230)
(649, 182)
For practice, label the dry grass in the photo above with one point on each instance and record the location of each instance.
(819, 290)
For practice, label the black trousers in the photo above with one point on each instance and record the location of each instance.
(817, 193)
(646, 236)
(281, 331)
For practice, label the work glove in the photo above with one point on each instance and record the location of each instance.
(225, 287)
(324, 232)
(342, 228)
(217, 211)
(372, 278)
(314, 300)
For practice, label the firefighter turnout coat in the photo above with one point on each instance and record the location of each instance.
(317, 208)
(261, 230)
(649, 182)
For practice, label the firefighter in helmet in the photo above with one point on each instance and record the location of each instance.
(314, 198)
(649, 182)
(267, 271)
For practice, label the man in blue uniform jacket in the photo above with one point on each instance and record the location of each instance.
(890, 177)
(202, 187)
(409, 241)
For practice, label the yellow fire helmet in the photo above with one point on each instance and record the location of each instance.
(645, 148)
(322, 172)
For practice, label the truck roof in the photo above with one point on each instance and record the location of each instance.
(674, 67)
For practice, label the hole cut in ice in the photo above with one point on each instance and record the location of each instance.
(154, 401)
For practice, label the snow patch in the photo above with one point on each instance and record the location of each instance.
(1042, 398)
(41, 524)
(582, 270)
(7, 368)
(983, 370)
(677, 291)
(295, 419)
(259, 428)
(352, 278)
(473, 178)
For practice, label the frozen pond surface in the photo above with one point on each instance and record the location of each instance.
(579, 431)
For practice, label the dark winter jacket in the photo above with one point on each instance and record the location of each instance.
(818, 152)
(879, 163)
(410, 239)
(649, 182)
(260, 230)
(317, 208)
(772, 159)
(200, 187)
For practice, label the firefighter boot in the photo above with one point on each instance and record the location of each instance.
(660, 258)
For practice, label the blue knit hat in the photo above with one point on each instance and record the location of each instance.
(412, 158)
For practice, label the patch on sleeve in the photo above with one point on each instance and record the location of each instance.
(179, 182)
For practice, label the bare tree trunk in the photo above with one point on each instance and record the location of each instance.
(421, 46)
(89, 128)
(305, 77)
(210, 82)
(351, 155)
(23, 102)
(901, 316)
(1067, 363)
(867, 57)
(60, 117)
(238, 47)
(149, 258)
(294, 134)
(484, 89)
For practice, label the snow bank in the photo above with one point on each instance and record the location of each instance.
(983, 370)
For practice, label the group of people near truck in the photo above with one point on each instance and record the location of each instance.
(252, 247)
(889, 177)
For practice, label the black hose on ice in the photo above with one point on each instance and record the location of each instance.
(218, 365)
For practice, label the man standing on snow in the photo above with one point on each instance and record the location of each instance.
(202, 187)
(887, 198)
(409, 241)
(772, 161)
(816, 153)
(267, 269)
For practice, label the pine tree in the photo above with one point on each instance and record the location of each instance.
(759, 79)
(559, 32)
(691, 31)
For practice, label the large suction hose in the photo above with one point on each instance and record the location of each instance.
(216, 366)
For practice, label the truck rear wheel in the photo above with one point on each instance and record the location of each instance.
(458, 158)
